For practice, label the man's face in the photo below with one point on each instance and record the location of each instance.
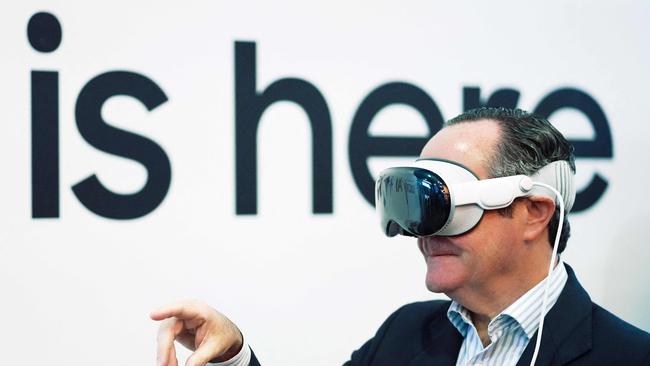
(488, 252)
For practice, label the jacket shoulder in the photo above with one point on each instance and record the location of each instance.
(607, 323)
(398, 338)
(413, 317)
(614, 337)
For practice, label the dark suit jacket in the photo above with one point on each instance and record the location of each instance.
(576, 332)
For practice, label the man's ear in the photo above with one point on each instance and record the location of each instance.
(539, 211)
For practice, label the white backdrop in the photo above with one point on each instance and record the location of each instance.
(305, 288)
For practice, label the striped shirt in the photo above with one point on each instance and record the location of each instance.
(511, 330)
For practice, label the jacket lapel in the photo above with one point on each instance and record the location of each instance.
(567, 327)
(441, 343)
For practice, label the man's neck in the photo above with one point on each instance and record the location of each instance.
(484, 303)
(481, 324)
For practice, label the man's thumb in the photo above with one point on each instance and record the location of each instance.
(203, 354)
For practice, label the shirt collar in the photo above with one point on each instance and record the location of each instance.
(525, 311)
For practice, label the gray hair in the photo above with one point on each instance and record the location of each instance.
(528, 143)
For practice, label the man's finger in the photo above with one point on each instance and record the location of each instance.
(173, 361)
(182, 310)
(206, 352)
(167, 332)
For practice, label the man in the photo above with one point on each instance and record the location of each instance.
(495, 275)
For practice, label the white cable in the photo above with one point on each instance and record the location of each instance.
(560, 201)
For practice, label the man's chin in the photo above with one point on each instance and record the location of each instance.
(440, 288)
(443, 282)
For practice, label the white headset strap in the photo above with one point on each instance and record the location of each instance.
(558, 175)
(495, 193)
(491, 194)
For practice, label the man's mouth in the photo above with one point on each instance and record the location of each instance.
(438, 248)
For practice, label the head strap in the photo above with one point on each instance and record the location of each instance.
(558, 175)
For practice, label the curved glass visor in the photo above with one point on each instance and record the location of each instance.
(412, 201)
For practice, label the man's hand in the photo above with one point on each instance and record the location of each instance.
(208, 333)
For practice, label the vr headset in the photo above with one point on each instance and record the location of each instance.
(440, 197)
